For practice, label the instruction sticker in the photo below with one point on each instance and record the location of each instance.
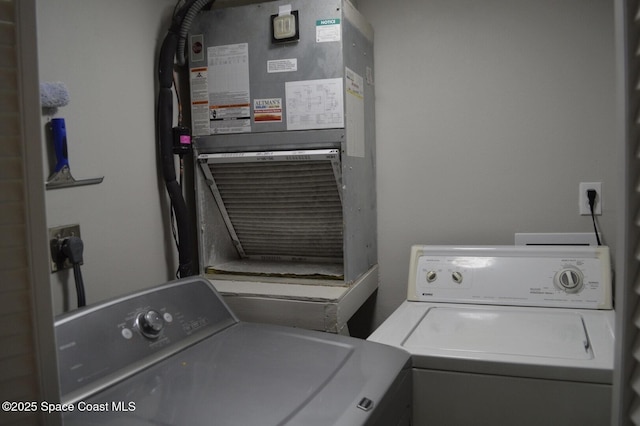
(282, 65)
(354, 88)
(354, 83)
(327, 30)
(267, 110)
(199, 101)
(229, 100)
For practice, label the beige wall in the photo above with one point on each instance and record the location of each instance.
(106, 53)
(488, 115)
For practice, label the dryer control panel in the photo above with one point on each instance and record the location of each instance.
(551, 276)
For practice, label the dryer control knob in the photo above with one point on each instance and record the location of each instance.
(569, 279)
(150, 323)
(431, 276)
(457, 277)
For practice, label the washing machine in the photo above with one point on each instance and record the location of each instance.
(177, 355)
(506, 335)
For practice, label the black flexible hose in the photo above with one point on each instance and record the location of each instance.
(165, 119)
(179, 28)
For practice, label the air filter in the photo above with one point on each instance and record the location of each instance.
(283, 205)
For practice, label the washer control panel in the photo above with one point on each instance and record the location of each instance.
(111, 339)
(569, 279)
(555, 276)
(150, 323)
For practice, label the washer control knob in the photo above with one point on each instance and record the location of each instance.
(431, 276)
(150, 324)
(456, 277)
(569, 280)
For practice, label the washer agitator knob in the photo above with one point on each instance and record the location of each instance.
(150, 323)
(457, 277)
(570, 280)
(431, 276)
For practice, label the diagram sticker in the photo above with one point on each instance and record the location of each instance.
(314, 104)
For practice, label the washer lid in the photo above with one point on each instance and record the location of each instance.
(254, 374)
(506, 332)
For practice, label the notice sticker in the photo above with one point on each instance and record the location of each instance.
(328, 30)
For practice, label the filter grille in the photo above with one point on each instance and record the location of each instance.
(281, 209)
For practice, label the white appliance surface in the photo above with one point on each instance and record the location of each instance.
(507, 334)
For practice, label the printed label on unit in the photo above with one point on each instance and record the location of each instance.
(267, 110)
(314, 104)
(354, 83)
(354, 88)
(199, 101)
(197, 48)
(229, 100)
(327, 30)
(370, 76)
(282, 65)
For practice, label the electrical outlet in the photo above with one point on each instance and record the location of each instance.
(584, 200)
(56, 236)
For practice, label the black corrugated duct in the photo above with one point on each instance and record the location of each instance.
(179, 28)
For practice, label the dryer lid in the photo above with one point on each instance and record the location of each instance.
(522, 332)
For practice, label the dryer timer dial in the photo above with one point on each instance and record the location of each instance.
(569, 279)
